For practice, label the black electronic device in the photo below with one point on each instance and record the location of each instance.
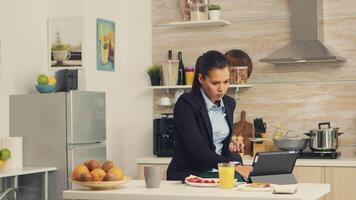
(66, 80)
(274, 167)
(163, 136)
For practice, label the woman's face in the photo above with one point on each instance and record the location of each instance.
(216, 83)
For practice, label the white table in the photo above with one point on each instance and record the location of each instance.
(173, 190)
(28, 170)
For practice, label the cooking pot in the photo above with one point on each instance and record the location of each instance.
(324, 139)
(291, 143)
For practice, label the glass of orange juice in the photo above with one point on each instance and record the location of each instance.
(226, 175)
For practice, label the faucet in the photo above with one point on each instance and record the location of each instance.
(7, 191)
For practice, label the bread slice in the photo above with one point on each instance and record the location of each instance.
(258, 185)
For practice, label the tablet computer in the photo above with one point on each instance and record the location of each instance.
(274, 167)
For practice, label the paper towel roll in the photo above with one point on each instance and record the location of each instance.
(14, 144)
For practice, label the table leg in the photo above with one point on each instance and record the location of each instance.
(16, 185)
(45, 184)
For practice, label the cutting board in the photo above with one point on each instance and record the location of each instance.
(245, 129)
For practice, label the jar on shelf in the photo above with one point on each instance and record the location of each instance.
(238, 74)
(198, 10)
(189, 75)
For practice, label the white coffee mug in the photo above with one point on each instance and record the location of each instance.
(152, 175)
(61, 55)
(164, 101)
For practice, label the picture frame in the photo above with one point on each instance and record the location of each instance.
(65, 43)
(105, 45)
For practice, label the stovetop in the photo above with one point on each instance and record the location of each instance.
(319, 154)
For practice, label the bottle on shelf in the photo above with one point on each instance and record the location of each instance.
(181, 74)
(170, 70)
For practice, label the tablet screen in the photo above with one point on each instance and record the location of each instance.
(273, 163)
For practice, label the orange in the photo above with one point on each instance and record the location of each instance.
(97, 174)
(78, 170)
(52, 81)
(118, 172)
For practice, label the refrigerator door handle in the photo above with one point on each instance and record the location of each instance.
(85, 145)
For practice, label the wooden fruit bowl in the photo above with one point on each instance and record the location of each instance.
(102, 185)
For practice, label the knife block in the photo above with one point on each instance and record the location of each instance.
(258, 147)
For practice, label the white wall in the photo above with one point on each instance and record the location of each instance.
(23, 50)
(129, 104)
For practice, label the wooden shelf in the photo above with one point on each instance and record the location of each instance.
(191, 24)
(189, 86)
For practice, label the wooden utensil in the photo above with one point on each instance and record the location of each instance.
(245, 129)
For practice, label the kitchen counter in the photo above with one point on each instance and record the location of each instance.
(339, 162)
(136, 190)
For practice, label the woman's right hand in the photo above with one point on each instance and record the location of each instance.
(244, 171)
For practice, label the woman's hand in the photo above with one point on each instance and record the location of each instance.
(236, 147)
(244, 171)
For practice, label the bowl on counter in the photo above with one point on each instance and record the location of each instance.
(291, 143)
(45, 88)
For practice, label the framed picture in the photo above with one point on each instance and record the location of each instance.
(105, 45)
(65, 39)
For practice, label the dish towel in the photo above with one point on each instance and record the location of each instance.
(284, 189)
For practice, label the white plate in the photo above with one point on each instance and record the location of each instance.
(244, 187)
(204, 184)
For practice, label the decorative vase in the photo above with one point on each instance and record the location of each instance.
(214, 14)
(155, 80)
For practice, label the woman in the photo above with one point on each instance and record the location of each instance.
(203, 122)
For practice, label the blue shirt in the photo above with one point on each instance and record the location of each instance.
(218, 122)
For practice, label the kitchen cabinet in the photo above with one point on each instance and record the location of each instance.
(342, 181)
(309, 174)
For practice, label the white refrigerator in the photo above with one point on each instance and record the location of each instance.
(60, 130)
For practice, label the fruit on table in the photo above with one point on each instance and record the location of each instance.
(5, 154)
(42, 79)
(92, 164)
(2, 163)
(79, 170)
(107, 165)
(86, 176)
(98, 174)
(91, 171)
(110, 176)
(52, 81)
(118, 172)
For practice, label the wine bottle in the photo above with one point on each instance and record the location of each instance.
(170, 57)
(181, 74)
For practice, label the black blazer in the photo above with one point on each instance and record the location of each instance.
(194, 148)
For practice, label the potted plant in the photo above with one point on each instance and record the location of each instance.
(155, 74)
(214, 11)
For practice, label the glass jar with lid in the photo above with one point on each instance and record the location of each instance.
(198, 9)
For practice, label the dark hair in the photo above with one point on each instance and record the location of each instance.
(238, 57)
(205, 63)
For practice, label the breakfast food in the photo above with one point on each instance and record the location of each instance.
(258, 185)
(92, 171)
(79, 170)
(97, 174)
(107, 165)
(196, 179)
(92, 164)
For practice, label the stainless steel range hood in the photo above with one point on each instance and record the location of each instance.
(307, 37)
